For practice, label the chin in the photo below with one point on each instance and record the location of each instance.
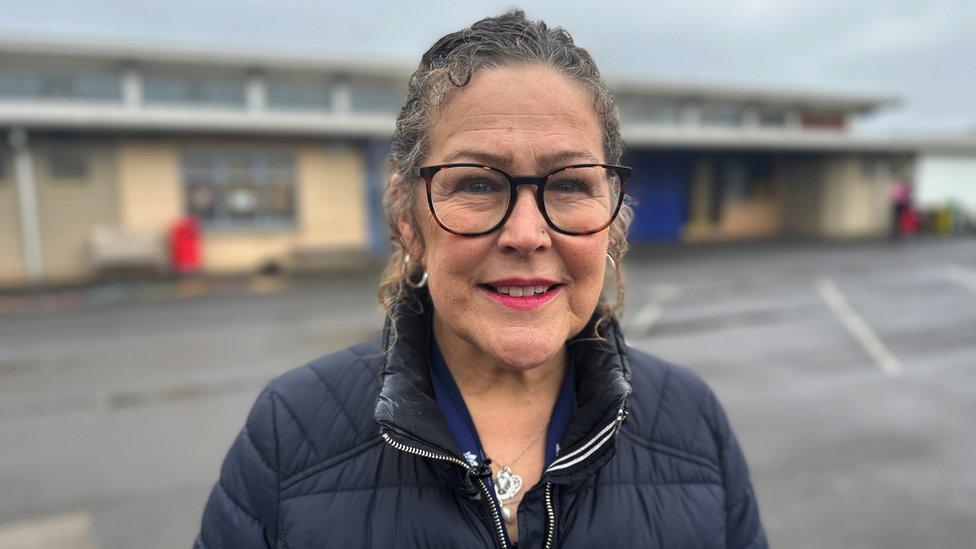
(524, 353)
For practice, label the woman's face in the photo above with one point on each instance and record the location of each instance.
(525, 120)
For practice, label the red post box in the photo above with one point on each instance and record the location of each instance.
(185, 245)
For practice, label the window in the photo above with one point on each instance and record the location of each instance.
(376, 98)
(721, 115)
(772, 119)
(69, 84)
(67, 162)
(299, 95)
(240, 188)
(655, 112)
(745, 179)
(201, 90)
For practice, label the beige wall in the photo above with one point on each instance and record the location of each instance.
(70, 208)
(12, 267)
(856, 200)
(150, 193)
(750, 219)
(330, 194)
(837, 196)
(699, 224)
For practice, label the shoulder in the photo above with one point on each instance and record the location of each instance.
(319, 410)
(673, 407)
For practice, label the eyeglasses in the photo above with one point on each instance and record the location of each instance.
(472, 199)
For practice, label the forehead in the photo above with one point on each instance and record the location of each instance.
(527, 117)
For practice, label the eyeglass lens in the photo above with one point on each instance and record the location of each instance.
(471, 200)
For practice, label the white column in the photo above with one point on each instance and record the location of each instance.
(342, 97)
(132, 88)
(30, 224)
(255, 92)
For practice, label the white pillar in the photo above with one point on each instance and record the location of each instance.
(342, 97)
(132, 88)
(255, 92)
(30, 224)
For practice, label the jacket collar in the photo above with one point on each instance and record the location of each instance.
(406, 407)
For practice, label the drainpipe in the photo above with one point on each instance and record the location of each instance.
(30, 224)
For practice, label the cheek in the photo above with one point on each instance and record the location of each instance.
(452, 262)
(586, 260)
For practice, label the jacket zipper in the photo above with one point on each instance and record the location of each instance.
(583, 452)
(495, 514)
(550, 517)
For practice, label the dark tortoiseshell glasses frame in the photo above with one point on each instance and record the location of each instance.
(427, 173)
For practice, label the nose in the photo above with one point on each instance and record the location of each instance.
(525, 230)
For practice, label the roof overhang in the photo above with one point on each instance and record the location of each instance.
(648, 136)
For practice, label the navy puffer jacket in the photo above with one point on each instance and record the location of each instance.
(352, 450)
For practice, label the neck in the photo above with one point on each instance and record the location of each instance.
(483, 379)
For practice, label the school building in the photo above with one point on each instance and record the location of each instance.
(282, 159)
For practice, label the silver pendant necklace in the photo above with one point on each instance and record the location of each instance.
(508, 483)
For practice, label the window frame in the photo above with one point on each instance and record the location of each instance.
(215, 170)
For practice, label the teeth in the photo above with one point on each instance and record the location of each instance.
(520, 291)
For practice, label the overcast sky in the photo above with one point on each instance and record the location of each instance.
(923, 51)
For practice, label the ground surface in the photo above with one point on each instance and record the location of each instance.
(848, 372)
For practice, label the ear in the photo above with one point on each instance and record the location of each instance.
(408, 237)
(411, 242)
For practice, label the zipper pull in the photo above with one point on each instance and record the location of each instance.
(472, 474)
(483, 469)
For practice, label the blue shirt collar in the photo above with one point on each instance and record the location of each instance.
(458, 418)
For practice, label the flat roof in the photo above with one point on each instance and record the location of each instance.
(190, 54)
(766, 95)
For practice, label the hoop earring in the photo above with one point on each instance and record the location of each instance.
(406, 279)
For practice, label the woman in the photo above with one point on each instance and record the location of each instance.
(501, 405)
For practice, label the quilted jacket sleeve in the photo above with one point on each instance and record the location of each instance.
(744, 529)
(243, 506)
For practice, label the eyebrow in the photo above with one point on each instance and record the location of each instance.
(547, 160)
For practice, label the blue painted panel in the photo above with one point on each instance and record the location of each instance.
(659, 186)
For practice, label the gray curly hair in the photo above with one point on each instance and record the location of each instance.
(449, 65)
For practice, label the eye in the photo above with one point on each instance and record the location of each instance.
(477, 185)
(569, 186)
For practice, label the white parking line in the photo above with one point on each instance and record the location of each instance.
(649, 314)
(856, 325)
(961, 276)
(646, 317)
